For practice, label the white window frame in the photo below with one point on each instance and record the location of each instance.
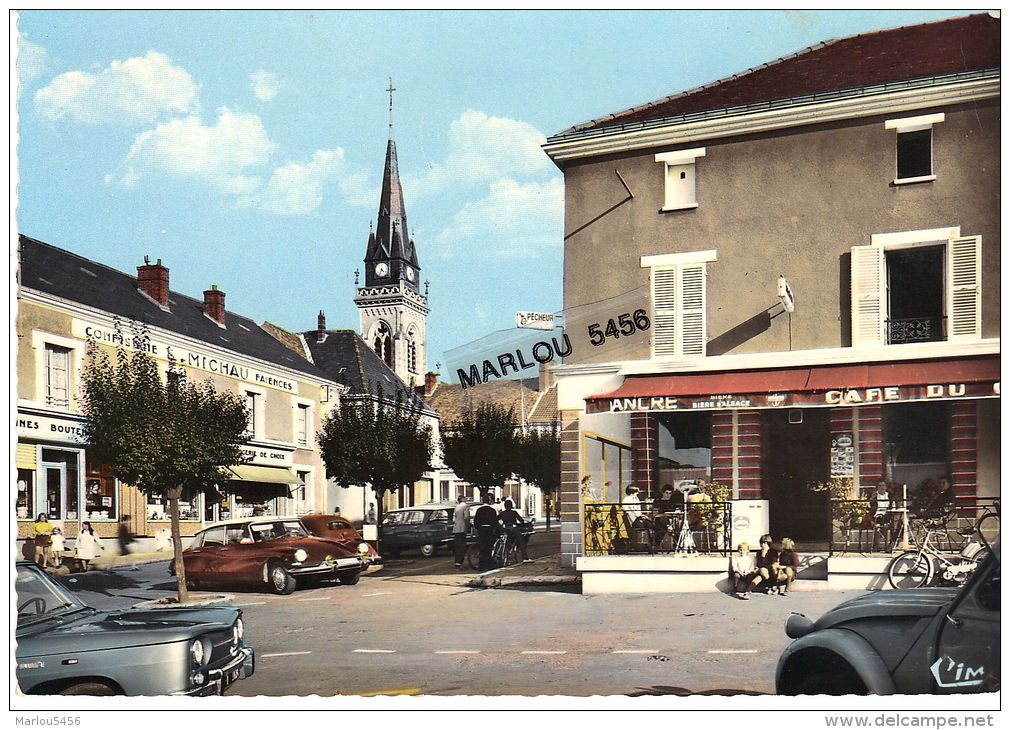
(678, 165)
(962, 277)
(40, 342)
(914, 124)
(678, 288)
(303, 406)
(257, 432)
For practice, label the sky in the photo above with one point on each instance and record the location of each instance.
(245, 148)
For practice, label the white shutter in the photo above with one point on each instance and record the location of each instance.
(57, 366)
(964, 290)
(692, 309)
(664, 312)
(868, 295)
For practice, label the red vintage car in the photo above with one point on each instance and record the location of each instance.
(276, 553)
(339, 528)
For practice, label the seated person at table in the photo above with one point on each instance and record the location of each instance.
(786, 566)
(661, 509)
(743, 571)
(882, 505)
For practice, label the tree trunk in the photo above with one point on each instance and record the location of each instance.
(180, 568)
(378, 517)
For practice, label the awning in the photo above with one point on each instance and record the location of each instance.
(824, 385)
(262, 482)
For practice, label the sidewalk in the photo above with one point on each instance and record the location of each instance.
(541, 571)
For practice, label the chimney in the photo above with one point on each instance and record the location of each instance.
(430, 381)
(152, 280)
(213, 304)
(321, 327)
(547, 377)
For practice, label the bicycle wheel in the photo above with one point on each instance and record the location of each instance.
(473, 556)
(910, 569)
(988, 528)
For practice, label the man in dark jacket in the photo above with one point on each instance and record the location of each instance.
(485, 519)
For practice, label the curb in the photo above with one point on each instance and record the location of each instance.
(193, 601)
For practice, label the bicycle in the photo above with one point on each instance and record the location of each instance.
(503, 552)
(987, 524)
(917, 568)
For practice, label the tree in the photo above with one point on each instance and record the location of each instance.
(540, 462)
(376, 442)
(168, 439)
(481, 447)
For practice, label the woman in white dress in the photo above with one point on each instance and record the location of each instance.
(87, 545)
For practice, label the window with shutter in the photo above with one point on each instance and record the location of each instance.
(965, 298)
(57, 380)
(867, 295)
(679, 303)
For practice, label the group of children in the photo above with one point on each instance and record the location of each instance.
(770, 569)
(50, 547)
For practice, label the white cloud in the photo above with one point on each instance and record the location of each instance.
(297, 188)
(221, 155)
(137, 89)
(32, 60)
(265, 84)
(513, 219)
(482, 149)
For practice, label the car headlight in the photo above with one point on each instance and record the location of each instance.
(237, 631)
(196, 652)
(301, 555)
(363, 548)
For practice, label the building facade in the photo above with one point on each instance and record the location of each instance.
(806, 259)
(66, 301)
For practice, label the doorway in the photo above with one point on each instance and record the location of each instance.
(796, 455)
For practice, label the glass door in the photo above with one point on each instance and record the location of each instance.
(54, 477)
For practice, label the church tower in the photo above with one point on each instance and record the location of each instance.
(392, 310)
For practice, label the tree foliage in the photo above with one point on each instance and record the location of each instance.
(539, 461)
(375, 442)
(168, 439)
(482, 446)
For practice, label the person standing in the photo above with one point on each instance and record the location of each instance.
(87, 546)
(42, 531)
(460, 529)
(56, 547)
(512, 522)
(123, 535)
(882, 506)
(485, 519)
(370, 517)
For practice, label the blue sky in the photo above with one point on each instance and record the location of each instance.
(245, 148)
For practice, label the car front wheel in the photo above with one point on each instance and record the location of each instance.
(89, 688)
(349, 579)
(429, 550)
(280, 580)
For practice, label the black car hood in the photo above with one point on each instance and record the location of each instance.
(911, 603)
(90, 631)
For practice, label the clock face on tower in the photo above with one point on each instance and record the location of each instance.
(381, 269)
(410, 274)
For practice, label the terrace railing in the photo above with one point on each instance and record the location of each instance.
(611, 528)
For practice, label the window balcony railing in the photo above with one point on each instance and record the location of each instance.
(610, 528)
(914, 329)
(854, 528)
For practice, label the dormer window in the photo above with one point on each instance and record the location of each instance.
(679, 181)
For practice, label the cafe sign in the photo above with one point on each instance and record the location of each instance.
(835, 397)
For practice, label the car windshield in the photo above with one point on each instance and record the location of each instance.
(274, 530)
(40, 597)
(394, 518)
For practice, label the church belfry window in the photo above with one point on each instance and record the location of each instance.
(383, 343)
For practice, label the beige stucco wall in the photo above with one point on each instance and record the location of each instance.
(791, 203)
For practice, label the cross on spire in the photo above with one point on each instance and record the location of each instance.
(391, 90)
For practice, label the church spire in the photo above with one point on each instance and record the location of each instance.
(390, 256)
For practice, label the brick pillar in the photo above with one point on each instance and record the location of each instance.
(645, 451)
(724, 449)
(964, 448)
(748, 454)
(870, 441)
(569, 497)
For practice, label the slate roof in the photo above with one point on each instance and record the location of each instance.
(451, 400)
(63, 274)
(346, 359)
(958, 45)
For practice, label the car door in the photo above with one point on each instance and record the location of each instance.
(438, 527)
(967, 655)
(204, 554)
(412, 529)
(237, 558)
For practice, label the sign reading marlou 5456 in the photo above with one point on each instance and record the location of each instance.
(834, 397)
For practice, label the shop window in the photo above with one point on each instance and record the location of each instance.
(57, 374)
(100, 493)
(680, 189)
(916, 286)
(685, 448)
(25, 503)
(916, 441)
(60, 480)
(189, 510)
(914, 148)
(608, 466)
(679, 301)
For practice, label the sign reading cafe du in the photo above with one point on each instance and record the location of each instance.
(839, 397)
(160, 350)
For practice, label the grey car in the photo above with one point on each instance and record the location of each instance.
(915, 641)
(66, 647)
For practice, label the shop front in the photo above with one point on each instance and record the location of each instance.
(791, 436)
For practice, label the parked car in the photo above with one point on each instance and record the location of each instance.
(340, 529)
(269, 552)
(66, 647)
(426, 527)
(915, 641)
